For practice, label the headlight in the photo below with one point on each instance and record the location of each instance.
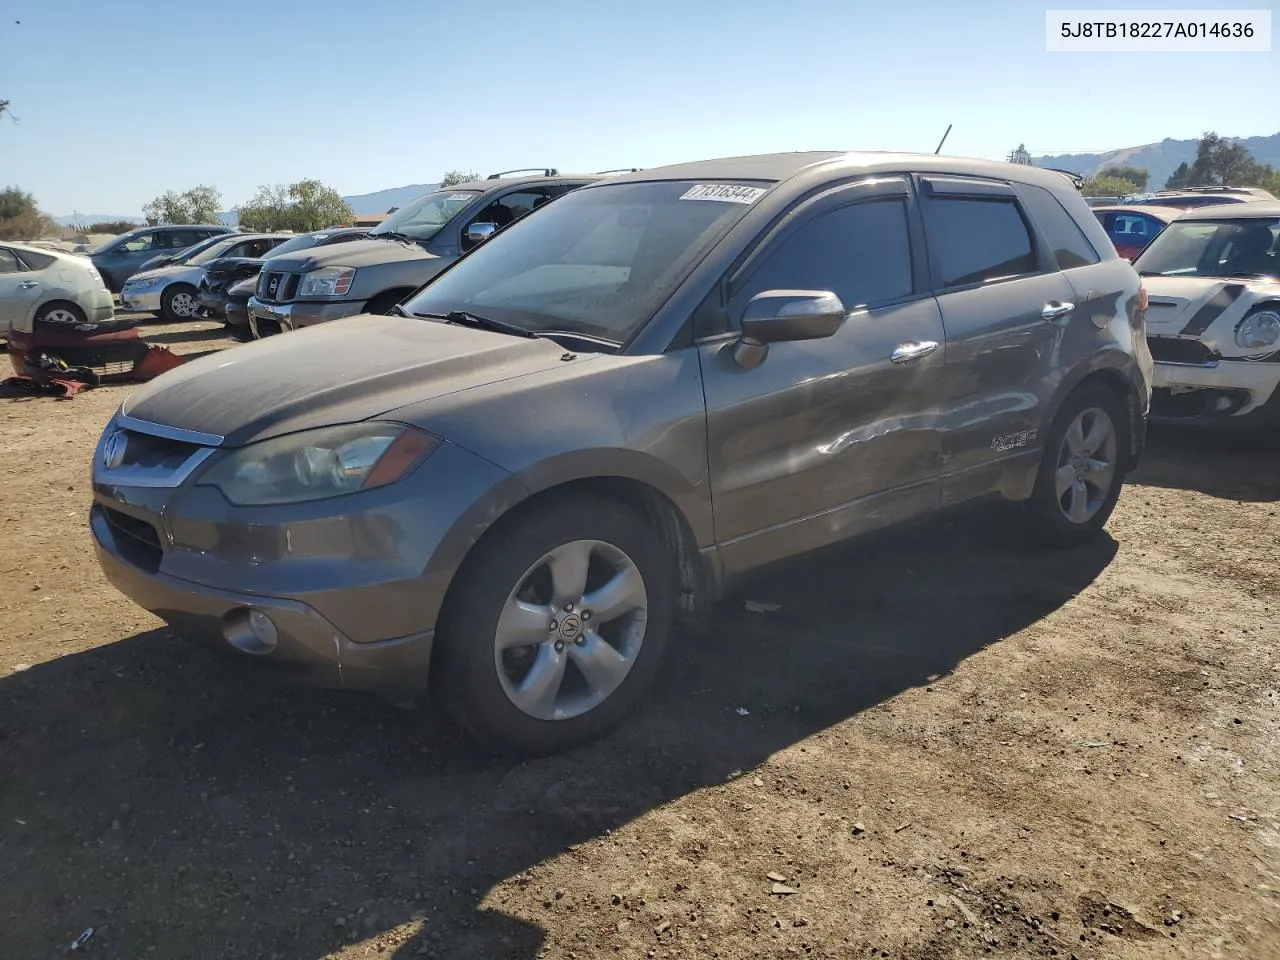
(1258, 331)
(327, 282)
(142, 284)
(317, 464)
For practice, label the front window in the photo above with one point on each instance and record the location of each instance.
(1214, 248)
(597, 262)
(425, 217)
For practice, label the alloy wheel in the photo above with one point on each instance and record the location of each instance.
(1086, 465)
(571, 629)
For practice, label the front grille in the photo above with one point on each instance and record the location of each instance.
(278, 287)
(1178, 350)
(137, 540)
(155, 453)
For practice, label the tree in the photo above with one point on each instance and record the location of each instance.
(302, 207)
(1135, 175)
(20, 218)
(1107, 186)
(109, 226)
(197, 205)
(1020, 155)
(1179, 178)
(455, 177)
(1223, 162)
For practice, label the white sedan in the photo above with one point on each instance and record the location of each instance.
(37, 283)
(1213, 318)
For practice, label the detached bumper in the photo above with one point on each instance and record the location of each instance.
(214, 303)
(294, 316)
(294, 638)
(1222, 388)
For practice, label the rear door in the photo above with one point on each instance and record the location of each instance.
(1004, 306)
(826, 438)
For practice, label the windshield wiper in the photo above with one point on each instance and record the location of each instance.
(464, 319)
(1150, 273)
(392, 235)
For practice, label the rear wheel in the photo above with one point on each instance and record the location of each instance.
(179, 303)
(61, 312)
(1082, 469)
(558, 626)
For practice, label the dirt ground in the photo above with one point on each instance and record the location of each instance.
(939, 744)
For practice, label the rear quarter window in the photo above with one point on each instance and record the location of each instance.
(1071, 248)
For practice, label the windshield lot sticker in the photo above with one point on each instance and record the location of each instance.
(724, 192)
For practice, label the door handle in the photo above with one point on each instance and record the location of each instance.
(1055, 309)
(28, 284)
(907, 352)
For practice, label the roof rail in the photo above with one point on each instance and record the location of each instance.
(540, 171)
(601, 173)
(1071, 175)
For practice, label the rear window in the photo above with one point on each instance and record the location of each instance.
(977, 240)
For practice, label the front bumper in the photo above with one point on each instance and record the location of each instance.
(1242, 385)
(306, 648)
(214, 303)
(299, 314)
(147, 300)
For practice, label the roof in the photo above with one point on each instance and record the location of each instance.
(1151, 209)
(1257, 210)
(783, 166)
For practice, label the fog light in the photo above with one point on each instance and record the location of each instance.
(263, 630)
(250, 631)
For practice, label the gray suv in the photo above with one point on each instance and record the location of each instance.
(404, 252)
(606, 416)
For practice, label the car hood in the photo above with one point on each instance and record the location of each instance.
(338, 372)
(1199, 306)
(177, 271)
(353, 253)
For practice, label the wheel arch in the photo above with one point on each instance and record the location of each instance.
(1118, 373)
(59, 301)
(698, 579)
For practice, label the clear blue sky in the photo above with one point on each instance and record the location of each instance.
(120, 100)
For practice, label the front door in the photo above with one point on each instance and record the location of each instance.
(826, 438)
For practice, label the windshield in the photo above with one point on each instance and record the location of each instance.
(300, 242)
(1214, 248)
(425, 217)
(213, 251)
(599, 261)
(186, 256)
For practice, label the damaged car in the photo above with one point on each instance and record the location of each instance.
(1213, 321)
(609, 414)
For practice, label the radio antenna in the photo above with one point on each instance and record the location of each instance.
(944, 139)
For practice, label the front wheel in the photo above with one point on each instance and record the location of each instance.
(1082, 469)
(179, 303)
(558, 626)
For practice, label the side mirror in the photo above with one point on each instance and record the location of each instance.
(777, 316)
(480, 232)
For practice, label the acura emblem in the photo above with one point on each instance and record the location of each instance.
(113, 450)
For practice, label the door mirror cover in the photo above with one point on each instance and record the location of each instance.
(778, 316)
(480, 232)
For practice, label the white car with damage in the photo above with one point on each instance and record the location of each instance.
(1213, 318)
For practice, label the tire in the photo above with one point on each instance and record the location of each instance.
(61, 311)
(1062, 516)
(490, 690)
(183, 293)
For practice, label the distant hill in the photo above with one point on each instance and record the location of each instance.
(379, 202)
(384, 200)
(1161, 159)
